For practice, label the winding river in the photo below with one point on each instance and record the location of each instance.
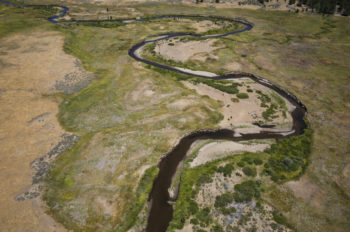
(161, 211)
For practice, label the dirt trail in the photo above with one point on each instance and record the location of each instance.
(30, 67)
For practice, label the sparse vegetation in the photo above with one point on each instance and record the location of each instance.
(270, 112)
(265, 99)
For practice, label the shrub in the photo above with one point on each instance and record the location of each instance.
(222, 85)
(263, 97)
(269, 112)
(274, 226)
(259, 182)
(241, 164)
(289, 157)
(249, 171)
(193, 207)
(194, 221)
(191, 179)
(204, 217)
(242, 95)
(234, 99)
(279, 218)
(223, 200)
(228, 211)
(226, 170)
(248, 160)
(258, 161)
(204, 179)
(216, 228)
(246, 191)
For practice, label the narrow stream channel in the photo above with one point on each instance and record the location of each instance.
(161, 211)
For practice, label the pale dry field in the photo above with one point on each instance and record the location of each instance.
(31, 65)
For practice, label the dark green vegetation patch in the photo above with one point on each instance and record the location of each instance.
(289, 157)
(247, 190)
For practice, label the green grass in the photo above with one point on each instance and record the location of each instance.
(17, 19)
(242, 95)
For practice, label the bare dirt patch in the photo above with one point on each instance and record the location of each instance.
(183, 51)
(28, 125)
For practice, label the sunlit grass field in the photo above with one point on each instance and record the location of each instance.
(124, 133)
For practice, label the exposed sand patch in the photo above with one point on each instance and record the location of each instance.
(187, 228)
(221, 149)
(183, 51)
(28, 124)
(203, 73)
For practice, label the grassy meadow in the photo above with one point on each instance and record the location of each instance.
(127, 121)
